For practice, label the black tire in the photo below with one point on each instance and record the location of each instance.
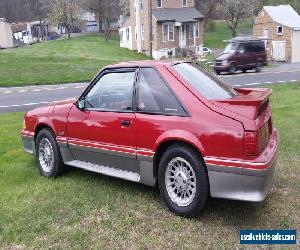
(258, 67)
(179, 151)
(218, 72)
(232, 69)
(244, 70)
(57, 167)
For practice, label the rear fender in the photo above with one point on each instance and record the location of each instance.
(180, 135)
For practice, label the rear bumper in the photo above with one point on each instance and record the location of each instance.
(244, 180)
(28, 141)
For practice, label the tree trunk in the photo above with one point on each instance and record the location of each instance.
(105, 30)
(100, 24)
(69, 32)
(40, 35)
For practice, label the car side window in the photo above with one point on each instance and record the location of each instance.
(113, 91)
(154, 96)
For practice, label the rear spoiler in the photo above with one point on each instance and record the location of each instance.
(255, 101)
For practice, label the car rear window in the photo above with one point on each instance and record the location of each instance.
(206, 84)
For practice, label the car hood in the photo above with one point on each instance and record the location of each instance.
(223, 57)
(63, 102)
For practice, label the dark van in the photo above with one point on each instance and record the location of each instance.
(242, 54)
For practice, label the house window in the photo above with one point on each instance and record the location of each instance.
(191, 31)
(127, 34)
(121, 36)
(184, 3)
(266, 33)
(279, 30)
(197, 29)
(141, 5)
(168, 32)
(142, 31)
(159, 3)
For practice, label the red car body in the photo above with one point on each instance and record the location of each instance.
(235, 136)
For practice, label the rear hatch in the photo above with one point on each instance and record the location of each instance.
(252, 108)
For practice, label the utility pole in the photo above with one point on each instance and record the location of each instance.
(150, 30)
(138, 25)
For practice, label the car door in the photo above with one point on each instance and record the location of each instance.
(103, 132)
(242, 57)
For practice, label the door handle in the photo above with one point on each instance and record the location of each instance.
(126, 123)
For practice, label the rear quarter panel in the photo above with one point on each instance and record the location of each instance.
(212, 133)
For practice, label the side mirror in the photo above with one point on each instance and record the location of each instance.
(80, 104)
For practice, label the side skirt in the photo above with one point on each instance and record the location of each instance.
(131, 169)
(114, 172)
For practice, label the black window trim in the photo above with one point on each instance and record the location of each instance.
(135, 69)
(101, 74)
(185, 112)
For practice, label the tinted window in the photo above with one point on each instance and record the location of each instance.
(113, 91)
(230, 48)
(154, 96)
(258, 47)
(253, 46)
(208, 85)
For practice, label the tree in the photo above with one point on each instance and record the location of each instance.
(106, 11)
(125, 7)
(235, 11)
(207, 8)
(64, 13)
(39, 9)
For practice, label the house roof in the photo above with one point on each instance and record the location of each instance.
(284, 14)
(177, 14)
(18, 27)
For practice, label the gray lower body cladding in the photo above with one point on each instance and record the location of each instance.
(250, 185)
(225, 182)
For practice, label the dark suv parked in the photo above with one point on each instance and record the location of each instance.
(242, 54)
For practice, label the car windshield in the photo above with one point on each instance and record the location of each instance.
(206, 84)
(230, 48)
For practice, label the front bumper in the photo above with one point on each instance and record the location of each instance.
(244, 180)
(221, 68)
(28, 141)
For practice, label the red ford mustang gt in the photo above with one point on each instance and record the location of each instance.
(166, 123)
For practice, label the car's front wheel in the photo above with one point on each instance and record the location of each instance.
(183, 180)
(48, 156)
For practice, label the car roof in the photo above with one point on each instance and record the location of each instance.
(145, 63)
(245, 39)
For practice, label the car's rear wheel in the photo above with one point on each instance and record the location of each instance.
(48, 156)
(258, 67)
(232, 69)
(183, 180)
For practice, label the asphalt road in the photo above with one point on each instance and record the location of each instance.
(20, 99)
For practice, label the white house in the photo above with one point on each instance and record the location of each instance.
(6, 38)
(280, 27)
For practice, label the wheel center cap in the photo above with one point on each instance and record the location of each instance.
(47, 154)
(181, 180)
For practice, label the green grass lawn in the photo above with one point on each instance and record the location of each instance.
(214, 39)
(85, 210)
(78, 59)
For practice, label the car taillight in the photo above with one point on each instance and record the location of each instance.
(251, 143)
(255, 142)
